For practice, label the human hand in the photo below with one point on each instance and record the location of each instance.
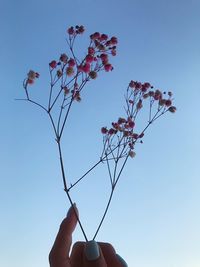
(84, 254)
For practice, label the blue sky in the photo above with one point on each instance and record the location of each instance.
(154, 218)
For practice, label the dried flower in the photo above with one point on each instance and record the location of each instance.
(69, 71)
(108, 67)
(132, 153)
(168, 102)
(172, 109)
(114, 40)
(104, 130)
(64, 58)
(53, 64)
(93, 74)
(71, 31)
(71, 62)
(59, 73)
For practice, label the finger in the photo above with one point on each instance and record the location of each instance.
(76, 257)
(111, 258)
(62, 244)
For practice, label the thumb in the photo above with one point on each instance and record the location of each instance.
(62, 244)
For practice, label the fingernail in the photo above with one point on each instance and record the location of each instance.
(92, 250)
(122, 260)
(71, 209)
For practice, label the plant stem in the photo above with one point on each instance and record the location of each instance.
(105, 212)
(66, 190)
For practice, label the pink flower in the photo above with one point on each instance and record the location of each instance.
(80, 68)
(144, 88)
(115, 125)
(30, 81)
(147, 85)
(135, 136)
(168, 103)
(53, 64)
(139, 104)
(95, 36)
(138, 85)
(71, 62)
(132, 84)
(121, 120)
(157, 95)
(108, 67)
(114, 40)
(151, 93)
(86, 68)
(104, 58)
(64, 58)
(80, 29)
(71, 31)
(31, 76)
(111, 131)
(104, 37)
(108, 43)
(91, 51)
(131, 124)
(104, 130)
(89, 58)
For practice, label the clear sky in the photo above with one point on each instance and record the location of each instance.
(155, 214)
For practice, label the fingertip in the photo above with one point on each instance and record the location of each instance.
(73, 211)
(121, 260)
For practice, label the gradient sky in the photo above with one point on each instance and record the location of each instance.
(155, 214)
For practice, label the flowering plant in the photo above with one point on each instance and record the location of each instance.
(68, 77)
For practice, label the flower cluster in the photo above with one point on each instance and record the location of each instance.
(96, 59)
(31, 76)
(155, 95)
(122, 131)
(69, 73)
(81, 71)
(73, 31)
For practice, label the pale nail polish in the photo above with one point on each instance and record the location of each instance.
(92, 250)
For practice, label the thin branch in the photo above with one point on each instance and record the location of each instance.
(65, 187)
(104, 215)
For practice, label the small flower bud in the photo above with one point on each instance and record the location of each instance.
(104, 130)
(53, 64)
(172, 109)
(132, 153)
(69, 71)
(64, 58)
(93, 74)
